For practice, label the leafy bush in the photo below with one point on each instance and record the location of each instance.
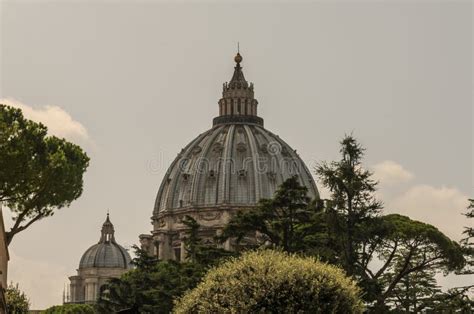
(17, 301)
(273, 282)
(70, 309)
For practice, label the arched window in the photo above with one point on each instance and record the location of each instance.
(239, 111)
(177, 252)
(246, 105)
(232, 107)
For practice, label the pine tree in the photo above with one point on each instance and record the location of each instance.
(352, 204)
(415, 292)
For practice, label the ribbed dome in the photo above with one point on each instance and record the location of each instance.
(106, 253)
(234, 163)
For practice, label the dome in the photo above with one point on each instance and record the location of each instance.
(107, 253)
(231, 164)
(235, 163)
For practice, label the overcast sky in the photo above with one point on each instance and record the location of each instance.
(134, 82)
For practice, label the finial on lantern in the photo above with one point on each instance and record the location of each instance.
(238, 57)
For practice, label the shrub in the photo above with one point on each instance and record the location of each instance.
(70, 309)
(17, 301)
(273, 282)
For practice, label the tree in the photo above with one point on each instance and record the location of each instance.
(416, 291)
(273, 282)
(17, 301)
(287, 221)
(360, 235)
(205, 255)
(38, 173)
(468, 243)
(404, 247)
(455, 300)
(352, 204)
(149, 288)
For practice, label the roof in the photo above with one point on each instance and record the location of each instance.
(231, 164)
(106, 253)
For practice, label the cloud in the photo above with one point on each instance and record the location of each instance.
(389, 172)
(59, 122)
(439, 206)
(42, 282)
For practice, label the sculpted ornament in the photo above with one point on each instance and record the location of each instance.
(209, 216)
(161, 223)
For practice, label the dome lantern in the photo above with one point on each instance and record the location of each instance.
(107, 231)
(238, 104)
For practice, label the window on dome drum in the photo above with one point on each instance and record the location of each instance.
(180, 203)
(177, 253)
(238, 106)
(232, 107)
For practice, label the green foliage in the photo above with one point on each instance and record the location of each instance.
(404, 247)
(359, 235)
(196, 251)
(151, 287)
(17, 301)
(352, 204)
(415, 291)
(456, 300)
(38, 173)
(468, 242)
(273, 282)
(70, 309)
(288, 221)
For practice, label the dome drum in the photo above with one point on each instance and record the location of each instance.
(237, 119)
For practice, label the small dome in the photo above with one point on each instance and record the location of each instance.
(106, 253)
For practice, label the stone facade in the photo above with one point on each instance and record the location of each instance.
(225, 169)
(101, 262)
